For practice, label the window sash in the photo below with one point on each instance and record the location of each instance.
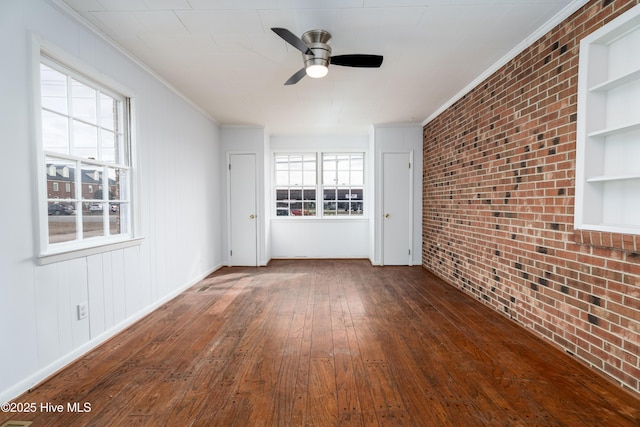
(343, 184)
(75, 123)
(296, 184)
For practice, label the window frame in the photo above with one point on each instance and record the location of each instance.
(302, 187)
(320, 186)
(43, 52)
(606, 194)
(338, 187)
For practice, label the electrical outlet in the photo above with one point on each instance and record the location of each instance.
(83, 310)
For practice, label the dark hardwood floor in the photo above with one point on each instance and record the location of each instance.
(328, 343)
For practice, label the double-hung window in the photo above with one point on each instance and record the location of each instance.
(85, 149)
(334, 181)
(296, 178)
(342, 184)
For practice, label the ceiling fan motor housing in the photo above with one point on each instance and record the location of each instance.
(316, 54)
(318, 42)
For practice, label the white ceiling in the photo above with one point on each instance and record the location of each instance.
(222, 55)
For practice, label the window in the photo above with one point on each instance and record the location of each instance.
(85, 144)
(608, 132)
(341, 184)
(296, 179)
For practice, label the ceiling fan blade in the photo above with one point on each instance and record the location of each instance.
(357, 60)
(296, 77)
(293, 40)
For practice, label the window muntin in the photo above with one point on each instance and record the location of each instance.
(341, 184)
(85, 142)
(296, 177)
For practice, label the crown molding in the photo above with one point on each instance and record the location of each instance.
(65, 9)
(569, 10)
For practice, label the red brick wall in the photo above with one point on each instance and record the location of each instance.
(498, 187)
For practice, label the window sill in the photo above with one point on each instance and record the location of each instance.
(318, 219)
(65, 255)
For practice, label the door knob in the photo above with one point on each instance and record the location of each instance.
(387, 216)
(252, 216)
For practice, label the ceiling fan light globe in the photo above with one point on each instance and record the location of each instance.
(317, 71)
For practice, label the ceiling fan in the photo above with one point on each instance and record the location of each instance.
(316, 53)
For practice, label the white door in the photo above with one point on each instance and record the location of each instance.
(397, 213)
(243, 230)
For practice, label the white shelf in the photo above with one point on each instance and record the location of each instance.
(608, 128)
(615, 130)
(609, 178)
(617, 82)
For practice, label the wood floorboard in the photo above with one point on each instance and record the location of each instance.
(328, 343)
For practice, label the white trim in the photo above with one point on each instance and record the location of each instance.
(411, 205)
(593, 51)
(134, 199)
(274, 187)
(622, 229)
(544, 29)
(72, 253)
(320, 186)
(88, 73)
(309, 219)
(312, 218)
(41, 375)
(87, 161)
(39, 193)
(48, 253)
(68, 11)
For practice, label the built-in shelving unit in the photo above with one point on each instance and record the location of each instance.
(608, 134)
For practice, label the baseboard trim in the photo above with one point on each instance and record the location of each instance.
(53, 368)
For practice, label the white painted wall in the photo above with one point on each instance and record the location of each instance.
(396, 139)
(320, 238)
(182, 206)
(179, 187)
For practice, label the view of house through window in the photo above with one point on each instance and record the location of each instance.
(86, 157)
(341, 184)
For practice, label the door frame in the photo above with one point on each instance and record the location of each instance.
(228, 203)
(409, 207)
